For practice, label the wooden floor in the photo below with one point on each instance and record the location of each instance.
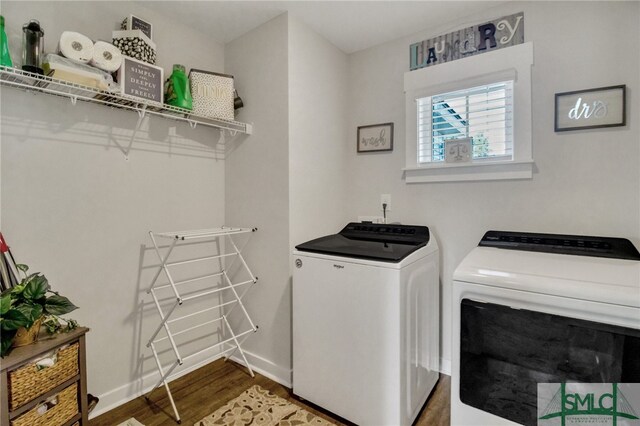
(201, 392)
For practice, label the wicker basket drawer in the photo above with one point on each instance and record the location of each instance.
(27, 382)
(56, 415)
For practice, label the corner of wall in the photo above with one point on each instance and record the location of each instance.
(257, 188)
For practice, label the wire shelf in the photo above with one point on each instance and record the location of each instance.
(13, 77)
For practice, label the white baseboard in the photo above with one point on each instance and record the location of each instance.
(266, 368)
(123, 394)
(445, 366)
(126, 393)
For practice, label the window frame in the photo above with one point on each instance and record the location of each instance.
(513, 63)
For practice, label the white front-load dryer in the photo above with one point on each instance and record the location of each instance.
(366, 322)
(540, 308)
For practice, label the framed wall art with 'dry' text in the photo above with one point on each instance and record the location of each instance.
(590, 109)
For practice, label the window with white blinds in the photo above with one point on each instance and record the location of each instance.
(483, 113)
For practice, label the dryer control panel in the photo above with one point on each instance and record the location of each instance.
(615, 248)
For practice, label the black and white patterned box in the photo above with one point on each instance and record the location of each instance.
(135, 44)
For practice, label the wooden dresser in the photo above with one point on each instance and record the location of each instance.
(55, 395)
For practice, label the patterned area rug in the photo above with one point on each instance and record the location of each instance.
(257, 406)
(131, 422)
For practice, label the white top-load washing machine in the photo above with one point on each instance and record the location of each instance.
(366, 322)
(540, 308)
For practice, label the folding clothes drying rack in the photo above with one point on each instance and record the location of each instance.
(236, 340)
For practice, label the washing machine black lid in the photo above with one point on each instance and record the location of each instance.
(615, 248)
(373, 241)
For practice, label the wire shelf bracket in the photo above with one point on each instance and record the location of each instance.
(169, 320)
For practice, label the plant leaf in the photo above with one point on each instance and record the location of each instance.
(36, 288)
(52, 325)
(36, 312)
(58, 305)
(72, 324)
(27, 309)
(32, 311)
(16, 291)
(5, 304)
(13, 319)
(7, 340)
(22, 267)
(30, 277)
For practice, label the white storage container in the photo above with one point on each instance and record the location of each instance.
(212, 94)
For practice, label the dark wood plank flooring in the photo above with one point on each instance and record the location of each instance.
(202, 391)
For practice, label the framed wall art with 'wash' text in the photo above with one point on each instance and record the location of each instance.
(375, 137)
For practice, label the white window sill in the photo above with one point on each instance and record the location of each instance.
(498, 170)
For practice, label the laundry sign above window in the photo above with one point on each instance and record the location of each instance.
(503, 32)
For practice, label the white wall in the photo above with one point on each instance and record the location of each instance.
(318, 146)
(289, 178)
(585, 182)
(73, 208)
(257, 188)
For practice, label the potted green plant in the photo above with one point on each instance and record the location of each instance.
(27, 306)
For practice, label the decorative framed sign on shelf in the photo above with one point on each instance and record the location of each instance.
(375, 137)
(458, 150)
(141, 80)
(134, 23)
(590, 109)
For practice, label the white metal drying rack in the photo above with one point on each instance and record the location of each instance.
(235, 340)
